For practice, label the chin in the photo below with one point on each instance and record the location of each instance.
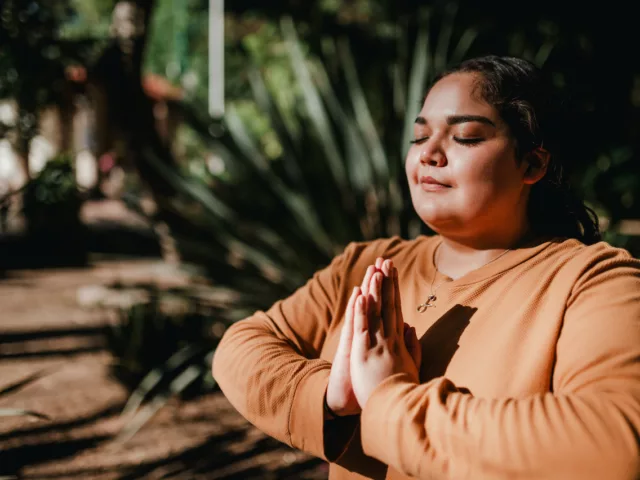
(430, 211)
(435, 222)
(436, 218)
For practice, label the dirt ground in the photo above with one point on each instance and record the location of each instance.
(44, 330)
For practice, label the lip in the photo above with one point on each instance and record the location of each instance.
(430, 184)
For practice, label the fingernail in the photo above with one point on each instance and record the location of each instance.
(355, 290)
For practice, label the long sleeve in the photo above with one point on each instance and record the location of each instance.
(268, 365)
(586, 427)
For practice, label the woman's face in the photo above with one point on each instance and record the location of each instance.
(462, 170)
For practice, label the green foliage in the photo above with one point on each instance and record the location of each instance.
(148, 333)
(177, 46)
(33, 51)
(163, 346)
(87, 20)
(55, 183)
(291, 199)
(33, 58)
(51, 199)
(28, 30)
(51, 205)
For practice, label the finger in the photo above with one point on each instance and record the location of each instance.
(360, 321)
(361, 340)
(346, 335)
(367, 279)
(397, 302)
(375, 291)
(379, 262)
(374, 302)
(373, 319)
(386, 268)
(388, 301)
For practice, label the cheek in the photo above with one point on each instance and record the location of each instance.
(493, 167)
(484, 178)
(411, 167)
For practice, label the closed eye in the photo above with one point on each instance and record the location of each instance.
(461, 141)
(468, 141)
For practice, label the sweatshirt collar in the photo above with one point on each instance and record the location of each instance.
(506, 262)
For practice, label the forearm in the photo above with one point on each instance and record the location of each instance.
(435, 431)
(271, 384)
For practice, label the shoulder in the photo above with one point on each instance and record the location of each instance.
(582, 258)
(587, 266)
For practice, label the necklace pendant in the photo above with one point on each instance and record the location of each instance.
(424, 306)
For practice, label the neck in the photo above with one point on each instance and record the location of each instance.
(458, 256)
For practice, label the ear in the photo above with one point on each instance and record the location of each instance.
(537, 163)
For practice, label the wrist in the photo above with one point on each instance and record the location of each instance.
(328, 413)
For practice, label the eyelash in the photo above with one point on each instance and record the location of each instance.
(461, 141)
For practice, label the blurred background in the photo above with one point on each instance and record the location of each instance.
(168, 167)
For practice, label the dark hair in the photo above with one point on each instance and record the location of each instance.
(525, 100)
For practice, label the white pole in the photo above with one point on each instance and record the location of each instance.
(216, 58)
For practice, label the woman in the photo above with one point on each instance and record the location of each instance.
(528, 358)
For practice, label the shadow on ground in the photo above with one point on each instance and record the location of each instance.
(67, 376)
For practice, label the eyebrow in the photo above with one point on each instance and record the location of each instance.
(457, 119)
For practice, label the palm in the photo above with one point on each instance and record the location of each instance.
(341, 396)
(383, 344)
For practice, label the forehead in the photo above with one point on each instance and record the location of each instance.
(456, 94)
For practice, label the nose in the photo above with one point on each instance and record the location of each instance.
(432, 155)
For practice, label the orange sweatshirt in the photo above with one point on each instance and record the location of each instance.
(530, 369)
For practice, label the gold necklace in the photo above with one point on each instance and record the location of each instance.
(432, 296)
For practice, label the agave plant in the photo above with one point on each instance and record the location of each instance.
(151, 329)
(338, 177)
(263, 230)
(163, 345)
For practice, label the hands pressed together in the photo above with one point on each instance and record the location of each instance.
(375, 343)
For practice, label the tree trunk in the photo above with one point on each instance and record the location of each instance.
(129, 115)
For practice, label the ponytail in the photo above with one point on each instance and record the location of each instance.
(554, 209)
